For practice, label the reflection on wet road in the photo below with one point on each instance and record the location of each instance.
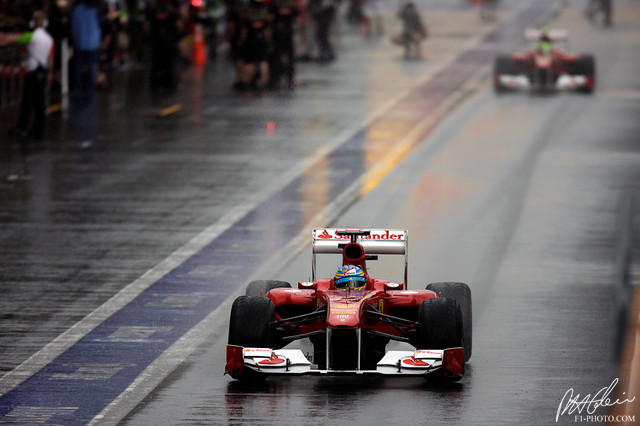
(485, 198)
(337, 401)
(515, 195)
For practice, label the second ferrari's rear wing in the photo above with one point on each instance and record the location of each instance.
(374, 242)
(554, 34)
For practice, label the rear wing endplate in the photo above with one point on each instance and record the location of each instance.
(379, 241)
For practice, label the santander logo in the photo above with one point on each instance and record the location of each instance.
(376, 234)
(413, 362)
(325, 235)
(274, 360)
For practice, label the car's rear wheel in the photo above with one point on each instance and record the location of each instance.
(262, 287)
(249, 326)
(461, 293)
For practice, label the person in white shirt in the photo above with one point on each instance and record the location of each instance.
(38, 64)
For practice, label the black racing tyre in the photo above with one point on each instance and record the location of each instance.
(262, 287)
(586, 65)
(440, 321)
(249, 324)
(503, 65)
(461, 293)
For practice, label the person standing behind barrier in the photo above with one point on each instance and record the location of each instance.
(59, 29)
(488, 10)
(38, 64)
(164, 30)
(413, 30)
(308, 30)
(87, 36)
(371, 18)
(604, 7)
(607, 9)
(236, 13)
(283, 15)
(324, 16)
(255, 44)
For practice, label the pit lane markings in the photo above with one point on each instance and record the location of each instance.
(147, 380)
(212, 326)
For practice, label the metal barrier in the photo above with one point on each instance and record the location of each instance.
(11, 75)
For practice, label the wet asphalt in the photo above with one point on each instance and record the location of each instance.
(517, 195)
(125, 178)
(117, 184)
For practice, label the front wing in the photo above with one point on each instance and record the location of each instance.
(563, 82)
(292, 361)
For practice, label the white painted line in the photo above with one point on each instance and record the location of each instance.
(159, 369)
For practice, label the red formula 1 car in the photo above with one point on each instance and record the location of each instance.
(545, 66)
(351, 318)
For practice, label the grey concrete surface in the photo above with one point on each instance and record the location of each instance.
(115, 188)
(516, 195)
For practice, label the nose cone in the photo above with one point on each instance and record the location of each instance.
(343, 315)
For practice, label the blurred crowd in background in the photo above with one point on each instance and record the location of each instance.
(261, 37)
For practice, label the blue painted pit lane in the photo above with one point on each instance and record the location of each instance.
(80, 383)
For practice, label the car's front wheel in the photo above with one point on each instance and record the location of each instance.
(503, 65)
(461, 293)
(586, 66)
(440, 322)
(249, 326)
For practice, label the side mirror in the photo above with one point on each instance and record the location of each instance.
(392, 286)
(308, 286)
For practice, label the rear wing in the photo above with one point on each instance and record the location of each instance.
(377, 241)
(555, 34)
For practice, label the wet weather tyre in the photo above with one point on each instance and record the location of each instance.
(262, 287)
(461, 293)
(440, 321)
(586, 65)
(503, 65)
(249, 324)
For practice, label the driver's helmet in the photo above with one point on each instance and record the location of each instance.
(545, 47)
(545, 42)
(350, 276)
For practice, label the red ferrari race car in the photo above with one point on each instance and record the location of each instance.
(545, 65)
(348, 320)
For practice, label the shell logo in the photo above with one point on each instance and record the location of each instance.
(257, 352)
(423, 352)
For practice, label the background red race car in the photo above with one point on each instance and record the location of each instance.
(345, 328)
(545, 65)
